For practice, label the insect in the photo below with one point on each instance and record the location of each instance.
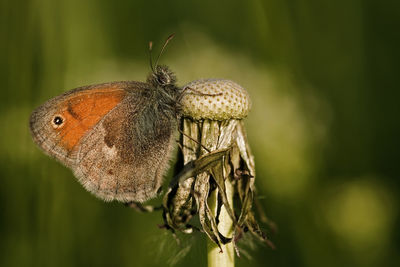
(116, 137)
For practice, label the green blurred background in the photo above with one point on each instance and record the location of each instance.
(324, 128)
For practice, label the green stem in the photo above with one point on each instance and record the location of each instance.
(215, 257)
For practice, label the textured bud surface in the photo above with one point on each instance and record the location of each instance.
(215, 99)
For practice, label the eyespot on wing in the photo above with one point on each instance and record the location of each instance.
(84, 111)
(79, 110)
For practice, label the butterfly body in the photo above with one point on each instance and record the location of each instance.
(116, 137)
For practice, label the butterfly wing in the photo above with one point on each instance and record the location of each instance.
(126, 155)
(109, 137)
(79, 110)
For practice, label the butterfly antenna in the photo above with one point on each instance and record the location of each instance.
(162, 49)
(150, 56)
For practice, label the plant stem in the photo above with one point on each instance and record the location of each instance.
(215, 257)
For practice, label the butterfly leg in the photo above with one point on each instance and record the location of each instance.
(142, 208)
(183, 92)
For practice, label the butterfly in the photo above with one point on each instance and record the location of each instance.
(116, 137)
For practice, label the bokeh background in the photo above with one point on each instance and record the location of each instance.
(324, 128)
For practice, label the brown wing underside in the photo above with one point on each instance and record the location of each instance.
(125, 156)
(81, 109)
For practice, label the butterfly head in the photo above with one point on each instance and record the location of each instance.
(162, 76)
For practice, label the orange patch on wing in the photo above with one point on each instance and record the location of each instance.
(83, 111)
